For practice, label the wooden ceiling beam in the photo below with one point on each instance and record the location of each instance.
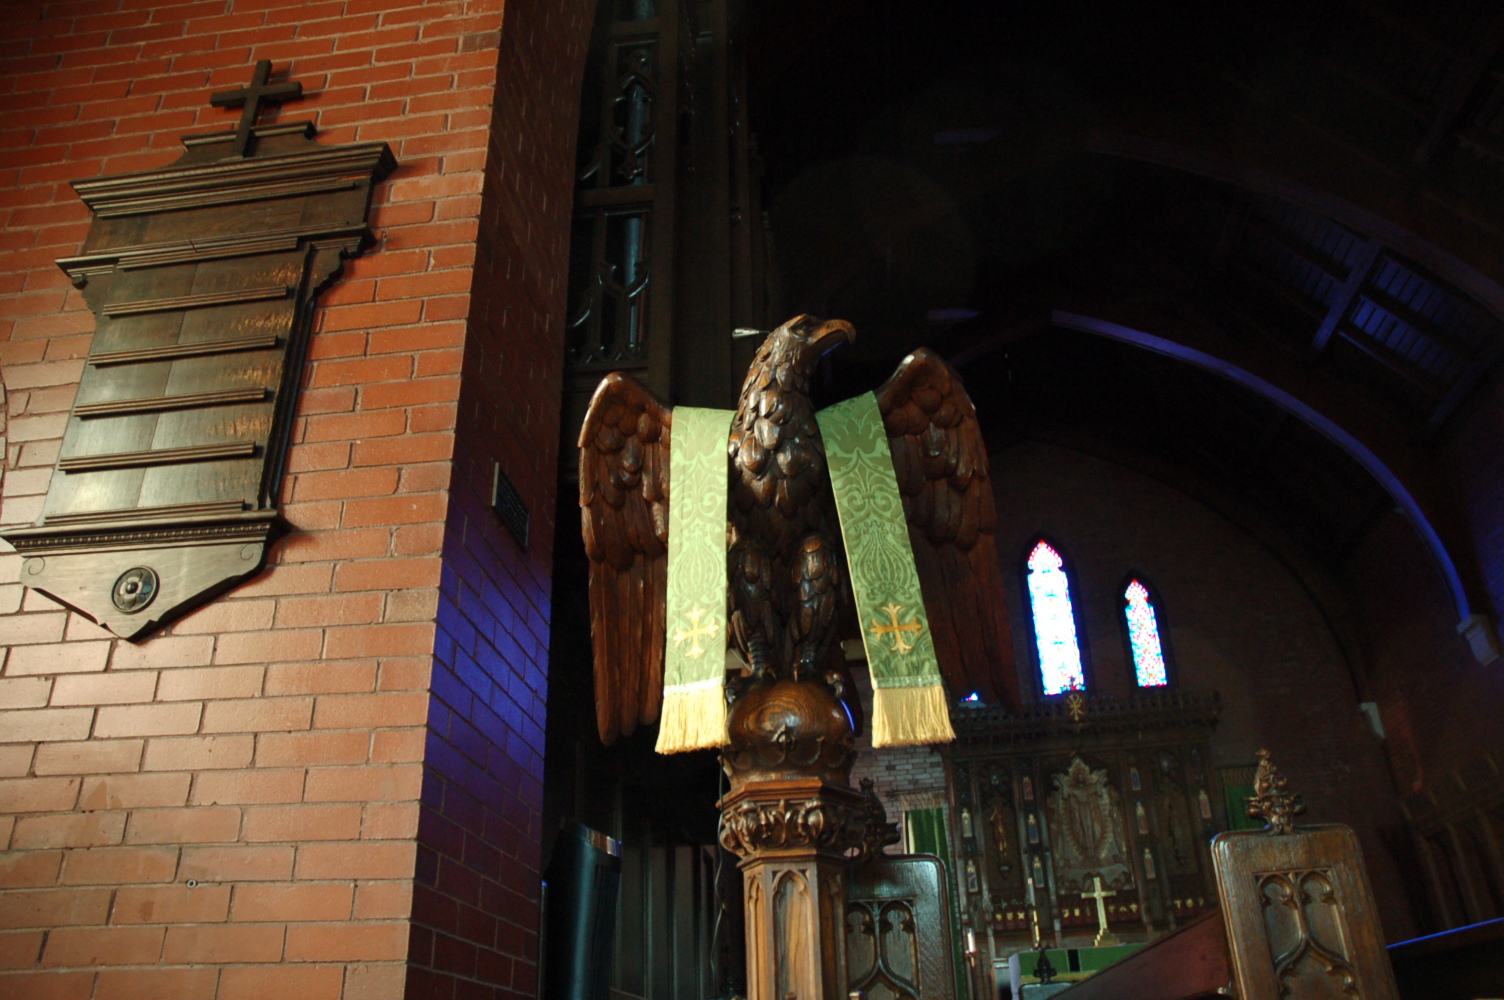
(1347, 294)
(1463, 387)
(1286, 294)
(1458, 88)
(1444, 338)
(1393, 361)
(1312, 255)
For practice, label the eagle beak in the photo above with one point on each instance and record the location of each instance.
(832, 334)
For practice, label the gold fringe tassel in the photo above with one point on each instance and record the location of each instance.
(906, 716)
(693, 719)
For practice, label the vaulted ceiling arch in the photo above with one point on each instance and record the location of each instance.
(1404, 499)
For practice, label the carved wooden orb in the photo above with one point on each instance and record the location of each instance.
(783, 729)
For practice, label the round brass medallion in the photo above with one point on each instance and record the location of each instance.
(135, 589)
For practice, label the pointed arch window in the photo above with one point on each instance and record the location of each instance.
(1055, 639)
(1143, 636)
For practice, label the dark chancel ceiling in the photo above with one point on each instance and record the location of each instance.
(953, 174)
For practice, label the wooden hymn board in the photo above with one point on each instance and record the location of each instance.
(203, 277)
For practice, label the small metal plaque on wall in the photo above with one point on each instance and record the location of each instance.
(203, 277)
(507, 503)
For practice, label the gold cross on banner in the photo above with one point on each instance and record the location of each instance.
(893, 628)
(1100, 896)
(694, 632)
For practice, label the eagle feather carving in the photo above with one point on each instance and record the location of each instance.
(789, 594)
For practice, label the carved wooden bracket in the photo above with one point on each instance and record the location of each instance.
(203, 277)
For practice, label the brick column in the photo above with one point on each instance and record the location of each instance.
(242, 805)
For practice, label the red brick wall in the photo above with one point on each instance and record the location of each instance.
(1442, 705)
(475, 903)
(271, 746)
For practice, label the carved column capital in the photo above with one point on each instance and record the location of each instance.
(807, 816)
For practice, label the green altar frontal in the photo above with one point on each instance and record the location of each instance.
(1071, 964)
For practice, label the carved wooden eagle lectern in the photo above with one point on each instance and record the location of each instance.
(788, 585)
(791, 813)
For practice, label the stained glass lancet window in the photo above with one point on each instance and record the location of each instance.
(1054, 621)
(1143, 636)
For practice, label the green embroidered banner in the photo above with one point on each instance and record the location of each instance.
(694, 664)
(908, 704)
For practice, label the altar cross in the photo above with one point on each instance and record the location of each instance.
(1100, 896)
(253, 97)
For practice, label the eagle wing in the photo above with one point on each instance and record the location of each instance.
(624, 490)
(941, 465)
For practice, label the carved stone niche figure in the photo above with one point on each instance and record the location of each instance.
(202, 277)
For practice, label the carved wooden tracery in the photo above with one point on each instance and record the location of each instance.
(202, 277)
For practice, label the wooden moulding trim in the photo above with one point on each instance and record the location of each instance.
(224, 196)
(171, 352)
(161, 404)
(301, 126)
(253, 525)
(163, 456)
(1140, 711)
(372, 160)
(635, 364)
(137, 256)
(194, 253)
(173, 511)
(199, 301)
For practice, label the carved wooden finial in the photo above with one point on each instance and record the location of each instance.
(1271, 801)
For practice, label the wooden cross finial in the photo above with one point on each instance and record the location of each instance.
(1272, 800)
(252, 98)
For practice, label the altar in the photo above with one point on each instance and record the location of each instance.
(1083, 825)
(1070, 965)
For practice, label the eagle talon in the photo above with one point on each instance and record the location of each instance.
(757, 654)
(806, 668)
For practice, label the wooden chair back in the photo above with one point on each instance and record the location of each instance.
(1300, 916)
(898, 942)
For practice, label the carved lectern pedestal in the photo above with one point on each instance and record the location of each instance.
(791, 815)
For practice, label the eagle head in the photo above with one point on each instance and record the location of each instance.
(791, 352)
